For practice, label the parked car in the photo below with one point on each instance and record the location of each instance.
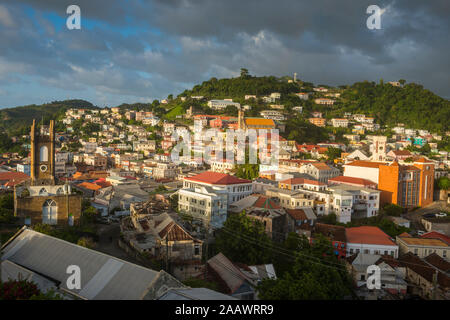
(441, 215)
(429, 215)
(420, 232)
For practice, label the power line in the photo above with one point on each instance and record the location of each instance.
(270, 246)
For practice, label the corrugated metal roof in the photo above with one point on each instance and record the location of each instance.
(103, 277)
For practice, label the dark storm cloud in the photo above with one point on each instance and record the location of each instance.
(148, 49)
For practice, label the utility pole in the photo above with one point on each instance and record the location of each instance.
(0, 259)
(206, 251)
(435, 276)
(167, 253)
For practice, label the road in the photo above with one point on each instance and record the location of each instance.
(108, 236)
(416, 216)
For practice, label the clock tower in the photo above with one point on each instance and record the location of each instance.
(43, 154)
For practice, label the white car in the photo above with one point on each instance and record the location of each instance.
(420, 232)
(441, 215)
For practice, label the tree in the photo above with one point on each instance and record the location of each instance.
(333, 153)
(244, 73)
(444, 183)
(402, 81)
(86, 242)
(247, 171)
(393, 210)
(88, 215)
(316, 273)
(244, 240)
(25, 290)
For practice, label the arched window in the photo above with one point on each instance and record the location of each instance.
(43, 192)
(60, 191)
(49, 212)
(43, 153)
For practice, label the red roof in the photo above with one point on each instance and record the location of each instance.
(210, 177)
(436, 235)
(352, 180)
(12, 178)
(302, 181)
(368, 235)
(366, 164)
(266, 203)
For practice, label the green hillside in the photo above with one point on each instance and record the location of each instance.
(18, 119)
(411, 104)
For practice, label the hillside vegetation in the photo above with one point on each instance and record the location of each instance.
(18, 119)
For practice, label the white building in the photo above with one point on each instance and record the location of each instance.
(235, 188)
(222, 104)
(370, 240)
(205, 204)
(339, 122)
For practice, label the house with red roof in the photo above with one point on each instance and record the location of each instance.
(9, 179)
(352, 181)
(370, 240)
(236, 188)
(207, 196)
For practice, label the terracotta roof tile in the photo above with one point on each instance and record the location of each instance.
(211, 177)
(368, 235)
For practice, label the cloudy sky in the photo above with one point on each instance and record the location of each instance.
(138, 51)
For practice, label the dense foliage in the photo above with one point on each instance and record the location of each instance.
(237, 88)
(7, 208)
(244, 240)
(381, 221)
(411, 104)
(18, 120)
(314, 273)
(25, 290)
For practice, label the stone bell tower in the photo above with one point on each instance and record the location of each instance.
(43, 154)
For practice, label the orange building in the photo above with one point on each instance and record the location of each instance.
(319, 122)
(408, 186)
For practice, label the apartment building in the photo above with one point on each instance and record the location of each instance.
(405, 185)
(365, 202)
(234, 187)
(146, 145)
(273, 114)
(339, 122)
(291, 199)
(206, 205)
(320, 171)
(324, 101)
(222, 104)
(370, 240)
(165, 170)
(422, 247)
(96, 160)
(319, 122)
(222, 166)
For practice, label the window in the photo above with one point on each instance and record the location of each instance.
(49, 212)
(43, 153)
(196, 250)
(43, 192)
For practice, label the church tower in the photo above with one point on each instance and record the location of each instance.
(241, 122)
(43, 154)
(379, 148)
